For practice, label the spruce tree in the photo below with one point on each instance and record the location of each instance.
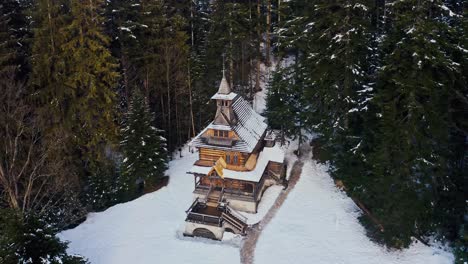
(25, 238)
(415, 83)
(287, 109)
(13, 35)
(48, 64)
(90, 77)
(143, 146)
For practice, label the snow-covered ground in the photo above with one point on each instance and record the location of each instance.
(318, 224)
(149, 229)
(268, 199)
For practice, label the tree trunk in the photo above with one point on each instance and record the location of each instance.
(267, 37)
(191, 102)
(279, 11)
(259, 55)
(169, 129)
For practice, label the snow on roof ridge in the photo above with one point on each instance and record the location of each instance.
(250, 128)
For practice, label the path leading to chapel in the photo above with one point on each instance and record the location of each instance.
(253, 233)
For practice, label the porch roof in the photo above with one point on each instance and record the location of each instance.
(274, 154)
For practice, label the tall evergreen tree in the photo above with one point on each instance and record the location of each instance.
(415, 83)
(25, 238)
(13, 35)
(90, 77)
(143, 146)
(47, 62)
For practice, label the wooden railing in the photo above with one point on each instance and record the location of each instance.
(236, 214)
(203, 218)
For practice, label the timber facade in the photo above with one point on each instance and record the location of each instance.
(237, 162)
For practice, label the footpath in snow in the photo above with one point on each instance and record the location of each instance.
(318, 224)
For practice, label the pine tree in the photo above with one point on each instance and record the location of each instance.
(413, 137)
(122, 26)
(90, 77)
(105, 187)
(144, 149)
(29, 239)
(13, 35)
(286, 108)
(48, 65)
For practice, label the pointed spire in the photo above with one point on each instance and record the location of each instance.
(224, 85)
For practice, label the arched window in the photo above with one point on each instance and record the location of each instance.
(228, 158)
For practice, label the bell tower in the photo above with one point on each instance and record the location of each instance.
(224, 98)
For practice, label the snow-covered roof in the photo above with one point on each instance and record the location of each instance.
(250, 127)
(275, 154)
(219, 96)
(219, 127)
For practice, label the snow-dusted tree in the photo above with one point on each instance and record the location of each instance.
(287, 109)
(26, 238)
(144, 149)
(104, 188)
(417, 88)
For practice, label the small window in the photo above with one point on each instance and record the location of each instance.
(226, 134)
(236, 159)
(216, 133)
(228, 158)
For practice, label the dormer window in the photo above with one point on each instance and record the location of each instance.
(221, 133)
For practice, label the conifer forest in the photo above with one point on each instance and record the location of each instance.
(97, 97)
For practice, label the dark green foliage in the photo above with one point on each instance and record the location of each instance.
(143, 147)
(386, 88)
(13, 35)
(27, 239)
(90, 78)
(411, 159)
(105, 187)
(287, 109)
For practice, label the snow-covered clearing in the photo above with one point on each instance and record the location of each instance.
(149, 229)
(268, 199)
(318, 224)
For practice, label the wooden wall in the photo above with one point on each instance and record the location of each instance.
(214, 155)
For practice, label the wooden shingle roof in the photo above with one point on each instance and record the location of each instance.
(250, 127)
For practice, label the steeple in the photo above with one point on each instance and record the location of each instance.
(224, 97)
(224, 86)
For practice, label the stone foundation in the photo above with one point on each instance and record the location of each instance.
(208, 231)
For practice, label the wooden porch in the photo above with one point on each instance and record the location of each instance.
(201, 213)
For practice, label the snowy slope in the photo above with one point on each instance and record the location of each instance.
(148, 229)
(318, 224)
